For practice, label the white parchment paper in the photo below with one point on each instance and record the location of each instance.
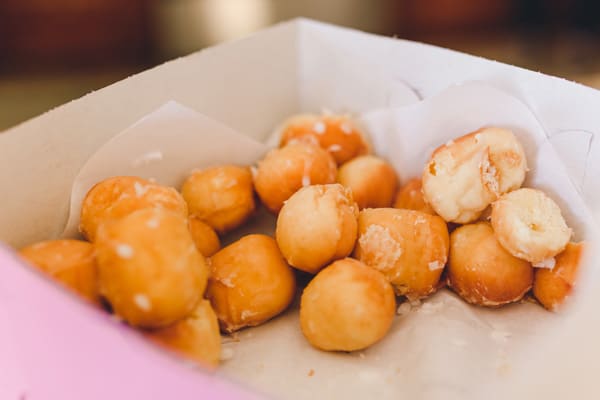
(440, 349)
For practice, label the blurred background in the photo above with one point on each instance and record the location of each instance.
(53, 51)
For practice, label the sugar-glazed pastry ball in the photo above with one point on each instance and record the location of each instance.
(116, 197)
(347, 306)
(149, 268)
(529, 225)
(410, 197)
(481, 271)
(206, 239)
(337, 134)
(71, 262)
(250, 282)
(316, 226)
(283, 171)
(196, 337)
(554, 282)
(409, 247)
(223, 197)
(465, 175)
(372, 179)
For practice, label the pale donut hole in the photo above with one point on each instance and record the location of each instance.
(466, 174)
(529, 225)
(316, 226)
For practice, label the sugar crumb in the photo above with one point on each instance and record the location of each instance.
(547, 263)
(142, 301)
(319, 127)
(124, 251)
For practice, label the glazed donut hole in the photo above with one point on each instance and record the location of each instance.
(205, 238)
(284, 171)
(116, 197)
(555, 281)
(482, 272)
(337, 134)
(348, 306)
(149, 269)
(316, 226)
(70, 262)
(529, 225)
(410, 197)
(195, 337)
(222, 196)
(372, 180)
(465, 175)
(410, 248)
(250, 282)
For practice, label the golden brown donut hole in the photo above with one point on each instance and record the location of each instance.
(205, 238)
(284, 171)
(70, 262)
(372, 180)
(250, 282)
(410, 197)
(481, 271)
(149, 268)
(409, 247)
(116, 197)
(222, 196)
(196, 337)
(347, 306)
(337, 134)
(552, 286)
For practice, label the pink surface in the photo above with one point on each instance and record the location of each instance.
(54, 347)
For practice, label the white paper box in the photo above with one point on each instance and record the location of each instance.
(251, 85)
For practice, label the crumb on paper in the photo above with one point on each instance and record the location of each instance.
(415, 302)
(361, 355)
(226, 354)
(503, 366)
(311, 372)
(369, 375)
(403, 308)
(431, 307)
(500, 336)
(147, 158)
